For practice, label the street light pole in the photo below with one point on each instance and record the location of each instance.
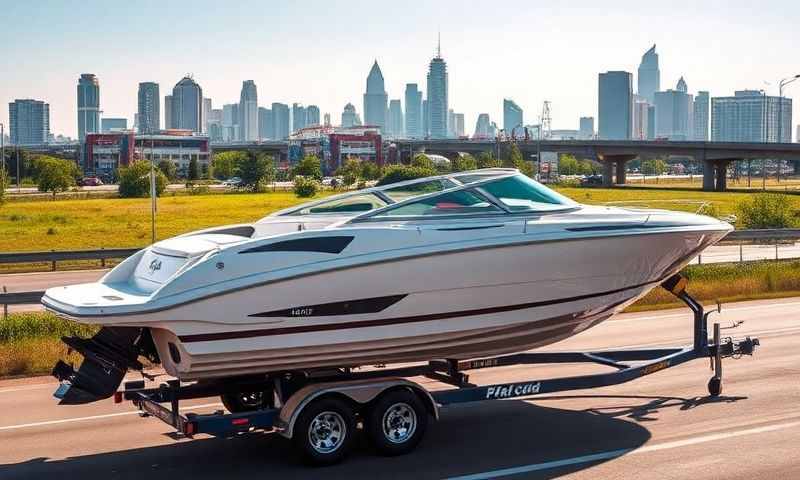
(781, 84)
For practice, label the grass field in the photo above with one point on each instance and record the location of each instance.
(791, 184)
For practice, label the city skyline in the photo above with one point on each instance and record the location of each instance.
(290, 73)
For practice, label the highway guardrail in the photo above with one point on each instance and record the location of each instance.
(54, 256)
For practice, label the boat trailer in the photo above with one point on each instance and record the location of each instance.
(321, 410)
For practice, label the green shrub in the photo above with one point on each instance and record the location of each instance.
(55, 174)
(766, 210)
(134, 181)
(400, 173)
(305, 187)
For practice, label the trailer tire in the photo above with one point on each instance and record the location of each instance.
(715, 387)
(324, 431)
(239, 402)
(396, 422)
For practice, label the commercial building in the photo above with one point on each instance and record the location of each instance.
(751, 116)
(168, 112)
(349, 116)
(29, 122)
(248, 112)
(375, 99)
(214, 125)
(312, 116)
(640, 118)
(700, 116)
(149, 111)
(395, 127)
(586, 128)
(299, 117)
(512, 116)
(230, 122)
(88, 105)
(674, 113)
(187, 106)
(437, 102)
(649, 79)
(266, 127)
(483, 128)
(459, 127)
(280, 121)
(615, 105)
(207, 108)
(334, 145)
(113, 124)
(413, 120)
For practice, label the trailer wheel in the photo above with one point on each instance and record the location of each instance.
(238, 402)
(324, 431)
(396, 422)
(715, 386)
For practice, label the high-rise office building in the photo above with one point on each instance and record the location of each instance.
(375, 99)
(459, 128)
(674, 113)
(265, 125)
(88, 105)
(426, 119)
(615, 105)
(413, 123)
(108, 125)
(168, 123)
(312, 115)
(700, 116)
(230, 122)
(586, 131)
(187, 105)
(437, 96)
(207, 108)
(640, 118)
(149, 110)
(248, 112)
(327, 119)
(29, 122)
(280, 121)
(299, 119)
(512, 116)
(483, 127)
(349, 116)
(394, 127)
(750, 116)
(214, 125)
(649, 75)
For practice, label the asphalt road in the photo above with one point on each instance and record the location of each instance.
(660, 426)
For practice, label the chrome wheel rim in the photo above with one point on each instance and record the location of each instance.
(327, 432)
(399, 423)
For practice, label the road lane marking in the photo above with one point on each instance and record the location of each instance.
(689, 314)
(611, 454)
(93, 417)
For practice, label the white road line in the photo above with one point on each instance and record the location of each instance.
(625, 451)
(93, 417)
(689, 314)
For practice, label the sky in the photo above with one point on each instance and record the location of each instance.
(320, 52)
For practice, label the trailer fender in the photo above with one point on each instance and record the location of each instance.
(360, 392)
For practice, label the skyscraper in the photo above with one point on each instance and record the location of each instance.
(413, 123)
(280, 121)
(586, 128)
(298, 116)
(649, 75)
(615, 105)
(437, 95)
(248, 112)
(395, 120)
(168, 112)
(88, 105)
(266, 127)
(207, 108)
(426, 120)
(187, 105)
(312, 115)
(29, 122)
(375, 98)
(512, 116)
(149, 108)
(327, 120)
(674, 113)
(700, 114)
(349, 116)
(640, 118)
(459, 128)
(750, 116)
(230, 122)
(483, 127)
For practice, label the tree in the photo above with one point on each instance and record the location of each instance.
(168, 169)
(370, 171)
(194, 170)
(351, 171)
(254, 169)
(464, 162)
(569, 165)
(400, 173)
(309, 166)
(4, 183)
(55, 174)
(226, 164)
(767, 210)
(421, 160)
(487, 160)
(134, 180)
(305, 186)
(654, 167)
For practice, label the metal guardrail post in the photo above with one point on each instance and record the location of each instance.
(53, 268)
(741, 254)
(5, 305)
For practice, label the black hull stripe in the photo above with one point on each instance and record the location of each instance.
(208, 337)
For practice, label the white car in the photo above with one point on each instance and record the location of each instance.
(232, 182)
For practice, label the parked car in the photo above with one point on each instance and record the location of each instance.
(90, 182)
(233, 182)
(592, 181)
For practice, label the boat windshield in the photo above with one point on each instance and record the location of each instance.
(457, 202)
(350, 204)
(520, 194)
(404, 192)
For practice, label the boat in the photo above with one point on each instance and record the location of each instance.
(457, 266)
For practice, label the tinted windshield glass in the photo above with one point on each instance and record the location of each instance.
(452, 203)
(354, 204)
(403, 192)
(520, 193)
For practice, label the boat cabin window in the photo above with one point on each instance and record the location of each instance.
(403, 192)
(353, 204)
(520, 193)
(458, 202)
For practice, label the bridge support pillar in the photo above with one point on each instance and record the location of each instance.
(608, 173)
(722, 176)
(708, 176)
(621, 179)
